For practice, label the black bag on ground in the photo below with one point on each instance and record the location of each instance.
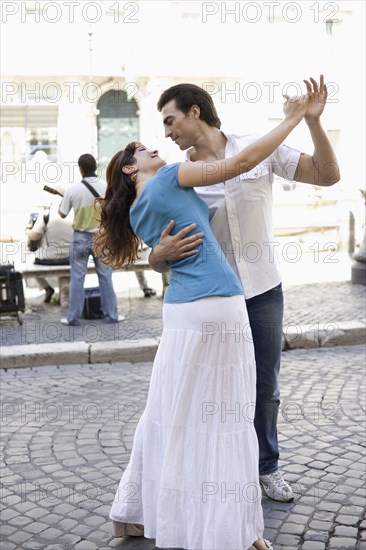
(92, 304)
(11, 289)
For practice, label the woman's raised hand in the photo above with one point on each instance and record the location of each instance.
(295, 107)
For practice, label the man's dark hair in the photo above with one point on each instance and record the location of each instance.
(186, 95)
(87, 165)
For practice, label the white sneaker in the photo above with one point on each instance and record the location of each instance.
(275, 487)
(64, 321)
(118, 320)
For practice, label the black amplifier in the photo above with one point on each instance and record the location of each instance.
(92, 304)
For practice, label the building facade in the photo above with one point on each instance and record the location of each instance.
(90, 75)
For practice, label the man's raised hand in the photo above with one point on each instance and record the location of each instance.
(317, 98)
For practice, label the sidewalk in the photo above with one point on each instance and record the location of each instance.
(67, 435)
(316, 315)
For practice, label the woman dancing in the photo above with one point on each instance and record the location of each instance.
(192, 480)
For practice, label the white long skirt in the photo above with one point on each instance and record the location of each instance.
(192, 479)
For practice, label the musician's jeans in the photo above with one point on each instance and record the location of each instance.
(81, 250)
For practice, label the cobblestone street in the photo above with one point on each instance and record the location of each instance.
(67, 433)
(317, 304)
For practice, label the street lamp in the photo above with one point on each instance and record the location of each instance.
(92, 106)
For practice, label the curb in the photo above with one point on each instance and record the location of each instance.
(80, 353)
(346, 333)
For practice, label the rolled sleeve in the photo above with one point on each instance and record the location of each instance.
(285, 161)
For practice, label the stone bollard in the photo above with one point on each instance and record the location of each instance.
(64, 288)
(358, 270)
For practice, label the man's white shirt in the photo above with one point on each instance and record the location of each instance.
(241, 215)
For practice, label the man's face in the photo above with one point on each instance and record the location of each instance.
(180, 127)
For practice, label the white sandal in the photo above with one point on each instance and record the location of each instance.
(127, 529)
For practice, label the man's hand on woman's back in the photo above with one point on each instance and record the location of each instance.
(174, 247)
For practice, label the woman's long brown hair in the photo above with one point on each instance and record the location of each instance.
(115, 243)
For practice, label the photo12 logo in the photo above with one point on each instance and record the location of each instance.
(54, 412)
(70, 91)
(253, 12)
(253, 92)
(70, 11)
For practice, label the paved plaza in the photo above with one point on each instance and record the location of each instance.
(320, 305)
(67, 433)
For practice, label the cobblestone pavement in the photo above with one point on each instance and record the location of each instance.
(67, 433)
(317, 304)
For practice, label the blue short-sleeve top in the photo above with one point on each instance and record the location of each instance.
(201, 275)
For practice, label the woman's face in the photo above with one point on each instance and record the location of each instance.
(147, 160)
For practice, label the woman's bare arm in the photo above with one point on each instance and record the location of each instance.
(194, 174)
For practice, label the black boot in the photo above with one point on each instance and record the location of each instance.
(148, 292)
(49, 293)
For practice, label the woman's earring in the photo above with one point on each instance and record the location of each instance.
(134, 177)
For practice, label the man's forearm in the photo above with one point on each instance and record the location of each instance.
(33, 235)
(157, 264)
(324, 158)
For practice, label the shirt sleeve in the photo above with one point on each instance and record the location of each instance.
(65, 205)
(170, 172)
(284, 162)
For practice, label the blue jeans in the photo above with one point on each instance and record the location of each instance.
(81, 249)
(265, 313)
